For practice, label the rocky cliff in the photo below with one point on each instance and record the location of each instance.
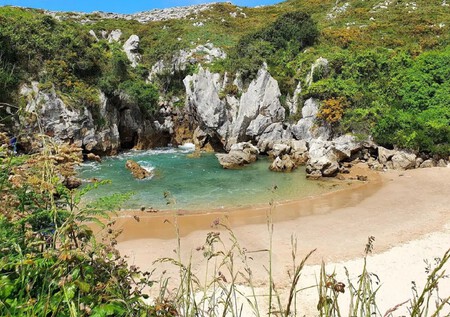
(228, 78)
(117, 124)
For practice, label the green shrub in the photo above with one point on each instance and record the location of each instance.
(426, 83)
(144, 95)
(288, 35)
(51, 264)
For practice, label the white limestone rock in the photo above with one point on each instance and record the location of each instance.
(202, 99)
(131, 48)
(259, 107)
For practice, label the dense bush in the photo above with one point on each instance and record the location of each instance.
(332, 110)
(420, 116)
(30, 41)
(288, 35)
(401, 100)
(115, 71)
(143, 94)
(51, 264)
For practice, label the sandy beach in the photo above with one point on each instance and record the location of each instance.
(408, 213)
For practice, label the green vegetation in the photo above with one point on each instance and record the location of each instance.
(401, 100)
(389, 63)
(51, 264)
(63, 55)
(277, 43)
(144, 95)
(389, 77)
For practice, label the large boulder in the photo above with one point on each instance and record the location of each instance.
(299, 152)
(279, 150)
(323, 159)
(403, 161)
(442, 163)
(239, 155)
(283, 164)
(131, 48)
(324, 156)
(275, 133)
(300, 146)
(345, 146)
(114, 36)
(398, 160)
(136, 170)
(428, 164)
(385, 155)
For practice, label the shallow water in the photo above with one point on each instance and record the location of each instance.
(196, 183)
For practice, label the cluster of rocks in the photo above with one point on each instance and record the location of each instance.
(142, 17)
(400, 160)
(204, 54)
(113, 36)
(287, 157)
(327, 158)
(240, 154)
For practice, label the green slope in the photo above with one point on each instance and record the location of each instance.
(388, 73)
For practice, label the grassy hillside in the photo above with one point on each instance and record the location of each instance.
(388, 60)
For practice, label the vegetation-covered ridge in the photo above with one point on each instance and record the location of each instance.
(388, 73)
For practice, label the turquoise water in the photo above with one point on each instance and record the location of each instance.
(195, 183)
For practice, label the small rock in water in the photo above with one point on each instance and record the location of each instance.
(72, 182)
(138, 171)
(93, 157)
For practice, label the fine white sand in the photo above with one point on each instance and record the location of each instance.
(407, 212)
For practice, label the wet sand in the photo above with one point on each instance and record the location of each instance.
(405, 211)
(160, 225)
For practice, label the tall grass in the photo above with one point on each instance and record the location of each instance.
(52, 265)
(227, 286)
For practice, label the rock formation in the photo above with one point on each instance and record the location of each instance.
(283, 164)
(136, 170)
(131, 48)
(239, 155)
(142, 17)
(243, 120)
(256, 116)
(116, 124)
